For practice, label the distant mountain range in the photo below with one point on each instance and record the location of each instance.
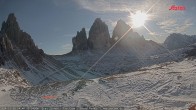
(18, 51)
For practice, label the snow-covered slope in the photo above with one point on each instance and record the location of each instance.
(165, 86)
(10, 79)
(48, 70)
(116, 61)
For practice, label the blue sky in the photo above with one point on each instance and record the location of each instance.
(53, 23)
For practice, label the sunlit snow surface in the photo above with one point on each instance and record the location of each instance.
(169, 86)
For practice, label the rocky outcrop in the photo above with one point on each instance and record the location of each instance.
(17, 45)
(6, 45)
(176, 41)
(9, 54)
(6, 48)
(80, 41)
(11, 28)
(120, 29)
(29, 48)
(99, 37)
(133, 42)
(130, 39)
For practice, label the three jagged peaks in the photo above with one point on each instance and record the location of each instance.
(99, 37)
(18, 51)
(13, 39)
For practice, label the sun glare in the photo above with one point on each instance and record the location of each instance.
(138, 19)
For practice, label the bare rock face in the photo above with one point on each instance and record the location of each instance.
(16, 45)
(132, 41)
(9, 54)
(99, 37)
(130, 38)
(80, 41)
(6, 45)
(6, 48)
(11, 28)
(120, 29)
(29, 48)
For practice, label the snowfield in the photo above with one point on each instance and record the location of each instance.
(10, 79)
(165, 86)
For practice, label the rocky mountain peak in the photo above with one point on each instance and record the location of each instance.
(11, 28)
(11, 19)
(13, 41)
(130, 38)
(80, 41)
(122, 23)
(99, 36)
(10, 24)
(120, 29)
(98, 20)
(98, 26)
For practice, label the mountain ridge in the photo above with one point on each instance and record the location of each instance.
(18, 51)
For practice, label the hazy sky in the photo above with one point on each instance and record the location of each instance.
(53, 23)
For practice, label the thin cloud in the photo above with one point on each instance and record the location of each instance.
(103, 6)
(157, 10)
(167, 23)
(100, 6)
(174, 26)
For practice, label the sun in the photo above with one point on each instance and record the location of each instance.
(138, 19)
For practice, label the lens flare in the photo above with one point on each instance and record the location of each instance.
(138, 19)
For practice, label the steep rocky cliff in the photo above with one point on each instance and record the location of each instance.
(19, 52)
(21, 40)
(99, 37)
(80, 41)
